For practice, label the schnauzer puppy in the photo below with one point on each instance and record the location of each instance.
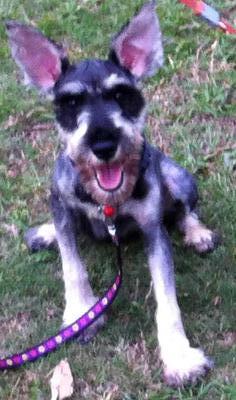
(100, 115)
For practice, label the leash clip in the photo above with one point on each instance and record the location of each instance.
(112, 231)
(109, 213)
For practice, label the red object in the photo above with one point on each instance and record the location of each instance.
(200, 8)
(227, 27)
(109, 211)
(197, 6)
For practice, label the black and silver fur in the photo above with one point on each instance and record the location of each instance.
(100, 115)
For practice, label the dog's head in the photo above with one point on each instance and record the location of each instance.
(99, 107)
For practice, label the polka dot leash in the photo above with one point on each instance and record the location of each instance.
(68, 333)
(82, 323)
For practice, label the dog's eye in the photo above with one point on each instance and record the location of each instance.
(70, 101)
(67, 108)
(129, 99)
(118, 96)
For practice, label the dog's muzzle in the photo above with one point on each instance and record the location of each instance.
(104, 150)
(109, 165)
(108, 173)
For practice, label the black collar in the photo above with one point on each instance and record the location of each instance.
(145, 158)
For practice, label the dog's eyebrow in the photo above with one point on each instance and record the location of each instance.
(114, 80)
(71, 88)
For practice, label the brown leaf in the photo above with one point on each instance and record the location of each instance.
(16, 168)
(112, 392)
(229, 339)
(11, 229)
(138, 357)
(11, 121)
(217, 301)
(50, 312)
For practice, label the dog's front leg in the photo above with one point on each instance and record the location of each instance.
(79, 296)
(181, 362)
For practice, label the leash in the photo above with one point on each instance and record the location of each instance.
(77, 327)
(210, 14)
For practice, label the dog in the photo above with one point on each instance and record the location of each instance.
(100, 115)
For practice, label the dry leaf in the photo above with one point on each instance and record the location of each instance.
(11, 229)
(229, 339)
(138, 357)
(112, 392)
(12, 121)
(217, 301)
(62, 381)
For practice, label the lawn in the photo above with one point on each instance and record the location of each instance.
(191, 117)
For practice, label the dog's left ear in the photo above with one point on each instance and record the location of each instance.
(138, 47)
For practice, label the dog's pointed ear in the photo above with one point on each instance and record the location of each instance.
(138, 47)
(40, 60)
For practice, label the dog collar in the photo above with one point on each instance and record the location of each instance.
(77, 327)
(145, 158)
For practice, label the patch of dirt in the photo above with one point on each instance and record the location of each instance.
(18, 323)
(12, 120)
(21, 388)
(228, 12)
(16, 167)
(200, 75)
(226, 126)
(107, 391)
(15, 325)
(39, 135)
(168, 96)
(143, 360)
(10, 229)
(228, 339)
(226, 123)
(35, 131)
(26, 121)
(160, 136)
(138, 357)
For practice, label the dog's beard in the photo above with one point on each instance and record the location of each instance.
(128, 163)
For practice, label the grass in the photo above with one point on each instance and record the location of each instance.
(192, 117)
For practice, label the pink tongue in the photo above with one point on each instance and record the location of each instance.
(109, 176)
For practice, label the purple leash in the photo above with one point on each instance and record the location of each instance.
(82, 323)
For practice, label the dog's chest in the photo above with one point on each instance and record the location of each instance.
(92, 221)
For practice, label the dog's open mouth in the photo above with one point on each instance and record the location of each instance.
(109, 176)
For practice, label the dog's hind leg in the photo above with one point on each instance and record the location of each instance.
(182, 189)
(41, 237)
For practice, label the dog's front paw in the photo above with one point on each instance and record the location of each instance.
(185, 365)
(71, 314)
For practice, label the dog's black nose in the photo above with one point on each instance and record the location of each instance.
(105, 149)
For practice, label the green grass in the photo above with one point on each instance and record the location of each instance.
(192, 117)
